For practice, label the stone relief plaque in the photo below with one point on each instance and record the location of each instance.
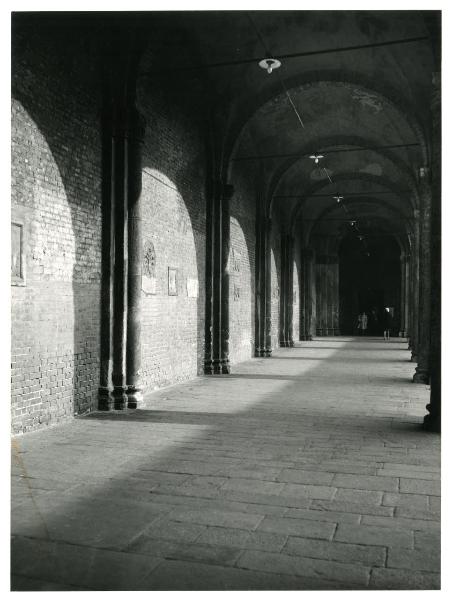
(17, 258)
(149, 259)
(148, 279)
(172, 281)
(192, 288)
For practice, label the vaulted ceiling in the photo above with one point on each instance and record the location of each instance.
(352, 85)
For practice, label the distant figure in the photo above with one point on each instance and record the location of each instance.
(362, 323)
(387, 323)
(374, 322)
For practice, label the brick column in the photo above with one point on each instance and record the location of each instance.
(268, 288)
(217, 279)
(122, 133)
(286, 297)
(432, 420)
(333, 296)
(290, 259)
(327, 286)
(406, 307)
(263, 285)
(135, 252)
(403, 294)
(422, 374)
(414, 272)
(226, 195)
(259, 297)
(306, 297)
(320, 288)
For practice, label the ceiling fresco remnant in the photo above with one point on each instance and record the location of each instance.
(366, 99)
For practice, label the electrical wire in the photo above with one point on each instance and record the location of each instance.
(281, 81)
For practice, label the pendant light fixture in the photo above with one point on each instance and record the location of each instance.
(316, 157)
(269, 64)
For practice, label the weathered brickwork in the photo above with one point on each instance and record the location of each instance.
(275, 281)
(174, 214)
(56, 198)
(242, 268)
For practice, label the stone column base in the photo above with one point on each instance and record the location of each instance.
(119, 397)
(432, 421)
(208, 367)
(421, 376)
(105, 399)
(134, 397)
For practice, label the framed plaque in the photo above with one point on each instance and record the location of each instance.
(17, 254)
(172, 281)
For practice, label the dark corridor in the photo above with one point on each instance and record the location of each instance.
(369, 281)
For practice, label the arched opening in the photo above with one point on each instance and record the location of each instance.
(369, 281)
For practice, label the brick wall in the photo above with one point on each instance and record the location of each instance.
(242, 267)
(174, 215)
(275, 281)
(56, 200)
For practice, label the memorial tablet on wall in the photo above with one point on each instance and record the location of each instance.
(192, 287)
(172, 281)
(17, 258)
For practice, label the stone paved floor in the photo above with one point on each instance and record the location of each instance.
(305, 471)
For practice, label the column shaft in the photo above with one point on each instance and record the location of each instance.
(422, 374)
(268, 288)
(415, 290)
(259, 311)
(403, 294)
(217, 278)
(134, 314)
(282, 293)
(106, 317)
(226, 195)
(432, 420)
(290, 260)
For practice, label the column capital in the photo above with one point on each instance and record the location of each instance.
(225, 189)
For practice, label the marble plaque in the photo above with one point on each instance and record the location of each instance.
(192, 287)
(172, 281)
(17, 259)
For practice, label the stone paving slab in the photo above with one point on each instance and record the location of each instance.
(358, 507)
(303, 527)
(374, 536)
(400, 579)
(344, 553)
(184, 575)
(291, 474)
(304, 566)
